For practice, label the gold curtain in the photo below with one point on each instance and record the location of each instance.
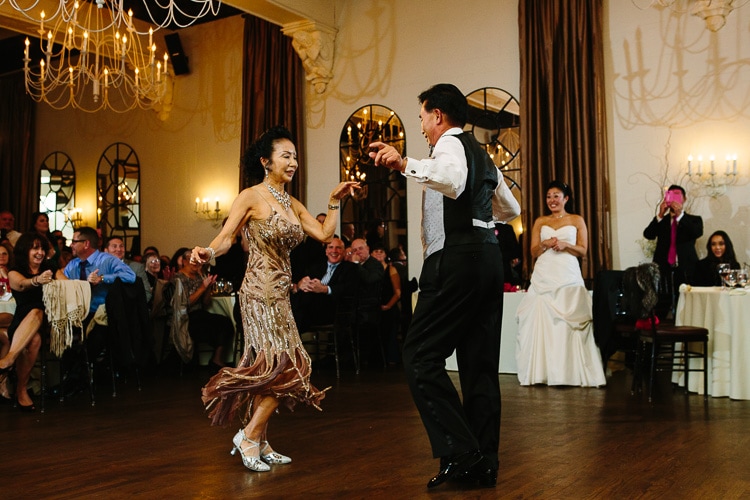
(563, 126)
(19, 183)
(272, 91)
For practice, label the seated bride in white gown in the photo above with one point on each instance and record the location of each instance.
(555, 344)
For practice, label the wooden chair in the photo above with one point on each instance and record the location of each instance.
(664, 353)
(326, 337)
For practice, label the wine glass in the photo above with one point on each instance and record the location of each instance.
(742, 277)
(722, 269)
(730, 278)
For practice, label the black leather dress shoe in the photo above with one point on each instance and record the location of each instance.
(483, 474)
(454, 466)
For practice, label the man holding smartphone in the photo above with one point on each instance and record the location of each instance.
(675, 233)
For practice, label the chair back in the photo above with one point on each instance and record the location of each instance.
(128, 322)
(641, 290)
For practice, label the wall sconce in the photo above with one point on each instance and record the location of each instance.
(713, 181)
(74, 217)
(713, 12)
(204, 210)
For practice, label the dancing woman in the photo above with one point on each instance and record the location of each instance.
(274, 369)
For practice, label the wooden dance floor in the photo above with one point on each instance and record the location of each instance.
(369, 443)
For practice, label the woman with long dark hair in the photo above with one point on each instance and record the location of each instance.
(32, 269)
(555, 333)
(719, 250)
(40, 226)
(274, 369)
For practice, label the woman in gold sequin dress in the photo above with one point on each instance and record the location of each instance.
(275, 369)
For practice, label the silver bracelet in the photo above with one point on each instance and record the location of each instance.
(333, 207)
(212, 252)
(34, 281)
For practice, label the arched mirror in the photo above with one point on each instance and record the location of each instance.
(494, 121)
(118, 180)
(57, 192)
(379, 211)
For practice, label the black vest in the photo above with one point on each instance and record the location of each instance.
(476, 200)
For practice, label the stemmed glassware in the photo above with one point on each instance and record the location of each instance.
(730, 278)
(723, 269)
(742, 277)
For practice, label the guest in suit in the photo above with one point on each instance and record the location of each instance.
(308, 254)
(115, 246)
(461, 289)
(511, 250)
(348, 233)
(368, 300)
(675, 232)
(720, 251)
(323, 289)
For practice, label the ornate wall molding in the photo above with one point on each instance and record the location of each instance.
(314, 43)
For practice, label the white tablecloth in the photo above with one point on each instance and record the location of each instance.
(726, 315)
(224, 305)
(507, 336)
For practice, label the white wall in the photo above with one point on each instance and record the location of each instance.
(663, 74)
(675, 89)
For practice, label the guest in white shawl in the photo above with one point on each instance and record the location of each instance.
(31, 270)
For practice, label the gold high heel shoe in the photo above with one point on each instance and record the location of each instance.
(273, 457)
(252, 463)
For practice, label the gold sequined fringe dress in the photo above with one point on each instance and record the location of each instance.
(274, 362)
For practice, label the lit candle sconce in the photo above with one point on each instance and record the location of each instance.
(74, 217)
(714, 182)
(207, 211)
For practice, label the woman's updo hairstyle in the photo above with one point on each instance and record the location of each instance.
(262, 148)
(569, 206)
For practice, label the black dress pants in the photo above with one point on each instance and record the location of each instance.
(459, 308)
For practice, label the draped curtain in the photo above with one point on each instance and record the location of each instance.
(18, 176)
(563, 128)
(272, 91)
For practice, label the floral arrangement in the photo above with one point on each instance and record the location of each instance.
(647, 247)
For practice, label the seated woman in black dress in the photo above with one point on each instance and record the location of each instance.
(720, 251)
(32, 269)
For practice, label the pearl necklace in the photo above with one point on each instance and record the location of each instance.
(281, 196)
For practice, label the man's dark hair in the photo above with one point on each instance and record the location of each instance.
(680, 188)
(448, 99)
(89, 234)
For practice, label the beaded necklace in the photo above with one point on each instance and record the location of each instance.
(281, 196)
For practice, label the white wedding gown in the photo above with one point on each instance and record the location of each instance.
(555, 343)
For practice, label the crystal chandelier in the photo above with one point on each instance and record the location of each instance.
(93, 59)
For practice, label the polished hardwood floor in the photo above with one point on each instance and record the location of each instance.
(369, 443)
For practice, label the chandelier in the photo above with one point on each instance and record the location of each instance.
(713, 12)
(93, 59)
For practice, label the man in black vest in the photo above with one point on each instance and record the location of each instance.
(461, 289)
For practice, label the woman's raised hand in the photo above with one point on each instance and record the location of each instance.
(345, 188)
